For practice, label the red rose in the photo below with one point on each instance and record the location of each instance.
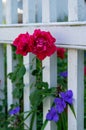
(43, 44)
(61, 52)
(23, 44)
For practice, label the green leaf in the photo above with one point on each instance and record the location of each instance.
(35, 72)
(1, 108)
(59, 125)
(42, 85)
(72, 109)
(12, 76)
(17, 93)
(32, 121)
(21, 72)
(35, 98)
(44, 124)
(64, 120)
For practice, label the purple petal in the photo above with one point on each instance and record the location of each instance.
(64, 74)
(60, 104)
(52, 115)
(56, 118)
(67, 96)
(49, 116)
(14, 111)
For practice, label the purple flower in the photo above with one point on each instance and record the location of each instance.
(64, 74)
(67, 96)
(52, 115)
(14, 111)
(60, 104)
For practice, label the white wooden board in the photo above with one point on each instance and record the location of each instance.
(70, 34)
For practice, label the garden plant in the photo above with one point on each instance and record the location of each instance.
(42, 45)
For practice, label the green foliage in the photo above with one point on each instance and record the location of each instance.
(62, 66)
(39, 92)
(17, 78)
(44, 125)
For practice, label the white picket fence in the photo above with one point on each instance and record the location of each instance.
(71, 35)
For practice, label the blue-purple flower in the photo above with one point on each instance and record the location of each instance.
(52, 115)
(14, 111)
(60, 104)
(64, 74)
(67, 96)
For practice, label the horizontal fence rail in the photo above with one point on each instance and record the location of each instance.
(70, 34)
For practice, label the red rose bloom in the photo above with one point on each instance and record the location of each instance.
(43, 44)
(61, 52)
(23, 44)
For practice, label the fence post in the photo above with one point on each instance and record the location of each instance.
(76, 70)
(11, 17)
(76, 84)
(38, 11)
(50, 70)
(2, 81)
(53, 10)
(2, 84)
(28, 11)
(1, 14)
(28, 17)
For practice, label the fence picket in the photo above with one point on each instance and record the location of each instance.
(2, 79)
(11, 17)
(38, 11)
(45, 11)
(1, 14)
(28, 17)
(28, 80)
(50, 76)
(53, 10)
(11, 11)
(50, 70)
(2, 96)
(9, 69)
(28, 11)
(76, 84)
(76, 10)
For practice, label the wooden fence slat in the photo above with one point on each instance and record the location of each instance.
(53, 10)
(11, 11)
(29, 80)
(2, 80)
(28, 17)
(76, 84)
(50, 70)
(1, 14)
(11, 17)
(50, 76)
(28, 11)
(45, 11)
(76, 10)
(39, 11)
(9, 69)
